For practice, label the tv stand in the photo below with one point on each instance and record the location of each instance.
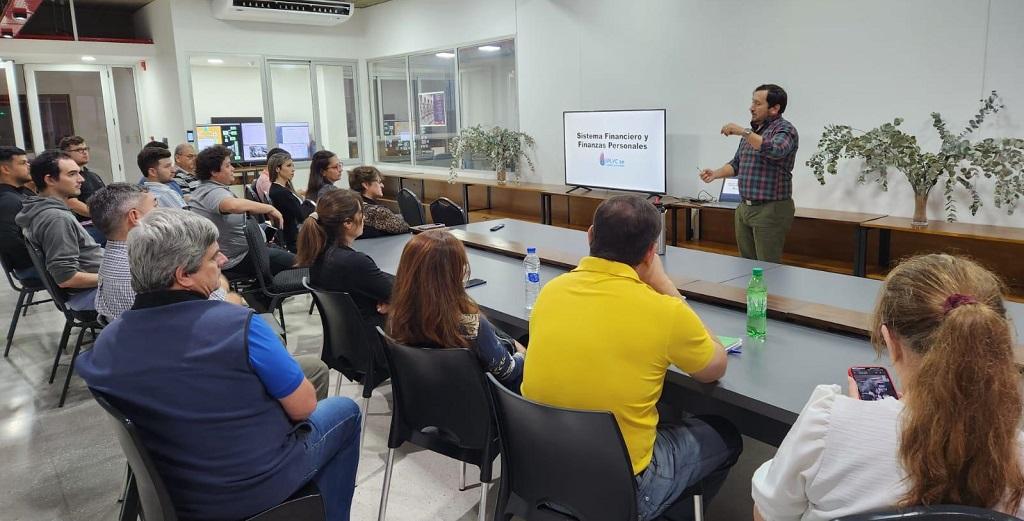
(577, 187)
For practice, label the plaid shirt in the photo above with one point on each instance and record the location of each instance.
(767, 174)
(114, 293)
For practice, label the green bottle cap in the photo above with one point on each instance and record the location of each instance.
(758, 272)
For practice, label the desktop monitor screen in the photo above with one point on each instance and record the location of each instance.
(616, 149)
(730, 190)
(227, 134)
(295, 138)
(254, 142)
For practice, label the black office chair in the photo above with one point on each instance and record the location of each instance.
(277, 288)
(26, 289)
(252, 194)
(147, 490)
(561, 464)
(932, 513)
(446, 212)
(350, 346)
(85, 320)
(411, 207)
(441, 404)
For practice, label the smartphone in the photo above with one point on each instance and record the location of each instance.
(873, 383)
(474, 282)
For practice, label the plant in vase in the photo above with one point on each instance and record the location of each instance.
(501, 146)
(958, 162)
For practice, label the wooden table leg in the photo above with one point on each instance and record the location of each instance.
(860, 254)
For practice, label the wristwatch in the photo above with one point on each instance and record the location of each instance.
(746, 132)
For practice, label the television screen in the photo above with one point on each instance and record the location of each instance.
(616, 149)
(295, 138)
(254, 142)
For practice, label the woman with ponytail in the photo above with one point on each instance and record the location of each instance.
(325, 245)
(952, 438)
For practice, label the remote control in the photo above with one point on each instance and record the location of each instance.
(497, 227)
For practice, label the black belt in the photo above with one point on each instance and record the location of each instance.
(749, 202)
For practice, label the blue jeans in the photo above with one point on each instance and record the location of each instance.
(332, 453)
(27, 273)
(96, 234)
(83, 300)
(688, 452)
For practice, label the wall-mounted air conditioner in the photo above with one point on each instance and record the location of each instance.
(306, 12)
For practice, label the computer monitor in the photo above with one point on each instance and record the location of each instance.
(295, 138)
(254, 142)
(227, 134)
(730, 190)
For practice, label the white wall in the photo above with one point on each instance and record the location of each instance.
(226, 92)
(160, 92)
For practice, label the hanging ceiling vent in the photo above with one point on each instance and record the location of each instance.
(305, 12)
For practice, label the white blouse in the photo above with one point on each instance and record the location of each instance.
(840, 458)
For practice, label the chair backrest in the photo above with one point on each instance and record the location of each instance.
(307, 208)
(347, 346)
(446, 212)
(931, 513)
(156, 502)
(441, 403)
(9, 272)
(563, 463)
(411, 207)
(57, 293)
(258, 254)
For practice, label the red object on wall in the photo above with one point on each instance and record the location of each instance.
(21, 7)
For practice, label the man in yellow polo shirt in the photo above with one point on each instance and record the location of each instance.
(602, 337)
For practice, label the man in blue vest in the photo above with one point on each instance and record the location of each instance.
(231, 423)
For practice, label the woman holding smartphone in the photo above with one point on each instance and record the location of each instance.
(953, 436)
(430, 307)
(284, 198)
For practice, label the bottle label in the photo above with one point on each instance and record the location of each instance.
(533, 277)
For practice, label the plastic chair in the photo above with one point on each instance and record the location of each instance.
(85, 320)
(348, 346)
(411, 207)
(931, 513)
(147, 490)
(446, 212)
(560, 464)
(441, 404)
(26, 289)
(287, 283)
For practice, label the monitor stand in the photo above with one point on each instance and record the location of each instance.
(577, 187)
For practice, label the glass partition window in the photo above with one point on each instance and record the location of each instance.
(421, 101)
(293, 112)
(6, 113)
(227, 96)
(336, 109)
(392, 130)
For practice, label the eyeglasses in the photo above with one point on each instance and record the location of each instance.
(82, 149)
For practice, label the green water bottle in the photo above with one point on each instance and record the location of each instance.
(757, 305)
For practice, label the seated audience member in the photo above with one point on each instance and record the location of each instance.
(636, 324)
(433, 269)
(233, 426)
(263, 182)
(14, 176)
(217, 203)
(954, 435)
(284, 198)
(157, 176)
(71, 255)
(184, 169)
(76, 148)
(325, 245)
(378, 219)
(324, 171)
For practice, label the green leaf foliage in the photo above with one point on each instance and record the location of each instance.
(957, 164)
(503, 147)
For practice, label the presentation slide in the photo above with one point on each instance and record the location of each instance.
(254, 142)
(294, 137)
(616, 149)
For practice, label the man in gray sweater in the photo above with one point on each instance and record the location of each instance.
(71, 255)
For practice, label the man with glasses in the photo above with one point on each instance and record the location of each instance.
(77, 149)
(14, 176)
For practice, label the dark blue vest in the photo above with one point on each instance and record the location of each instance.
(223, 446)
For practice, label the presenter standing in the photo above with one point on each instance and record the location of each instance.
(763, 165)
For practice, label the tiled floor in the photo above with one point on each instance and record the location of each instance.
(64, 464)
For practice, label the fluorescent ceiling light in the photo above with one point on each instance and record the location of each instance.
(7, 34)
(489, 48)
(215, 61)
(445, 55)
(20, 16)
(88, 58)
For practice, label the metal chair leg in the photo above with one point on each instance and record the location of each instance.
(462, 476)
(362, 426)
(698, 507)
(127, 483)
(337, 386)
(284, 329)
(482, 515)
(28, 302)
(60, 348)
(71, 367)
(387, 486)
(14, 321)
(130, 508)
(311, 306)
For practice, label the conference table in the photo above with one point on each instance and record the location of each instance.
(766, 385)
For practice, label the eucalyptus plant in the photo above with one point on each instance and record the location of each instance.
(504, 148)
(958, 162)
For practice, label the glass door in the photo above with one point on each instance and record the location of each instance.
(65, 100)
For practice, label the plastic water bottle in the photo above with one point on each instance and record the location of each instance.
(757, 305)
(531, 265)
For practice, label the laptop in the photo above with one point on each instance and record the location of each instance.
(729, 197)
